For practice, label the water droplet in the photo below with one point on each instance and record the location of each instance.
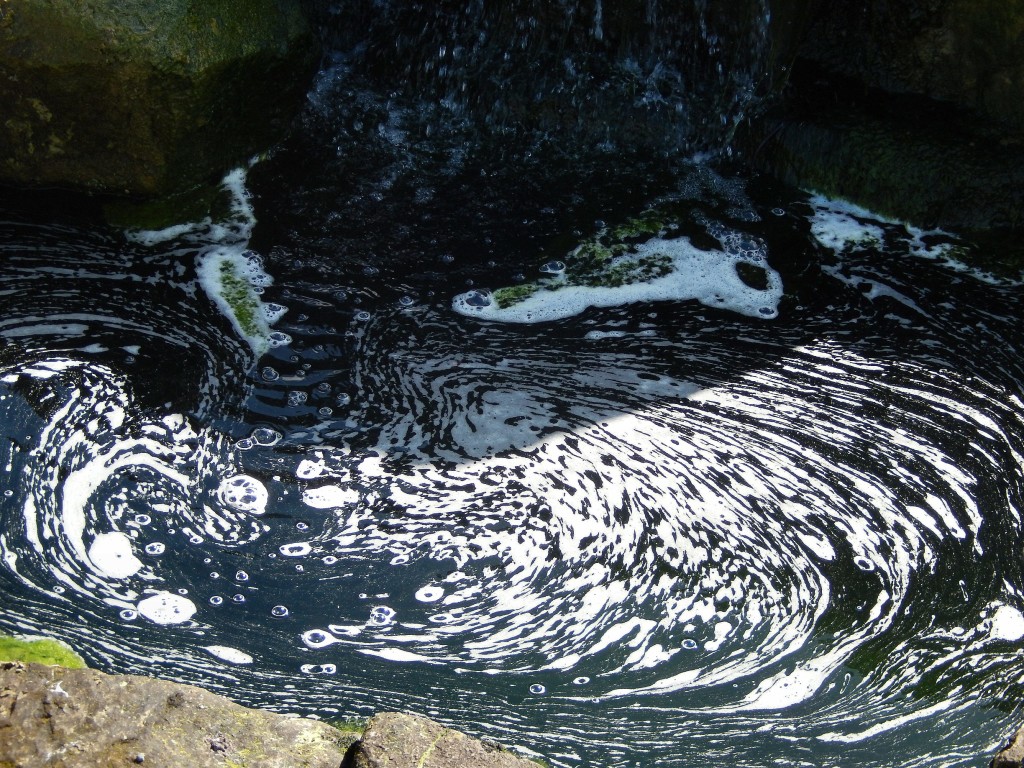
(279, 611)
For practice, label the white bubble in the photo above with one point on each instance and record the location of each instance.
(244, 493)
(430, 594)
(296, 549)
(382, 615)
(279, 611)
(167, 608)
(241, 576)
(537, 689)
(582, 680)
(129, 615)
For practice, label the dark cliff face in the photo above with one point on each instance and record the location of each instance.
(145, 97)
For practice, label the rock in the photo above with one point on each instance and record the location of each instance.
(1012, 755)
(908, 158)
(145, 97)
(72, 718)
(393, 740)
(967, 52)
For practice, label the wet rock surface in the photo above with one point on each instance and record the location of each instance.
(61, 717)
(145, 97)
(394, 740)
(1012, 754)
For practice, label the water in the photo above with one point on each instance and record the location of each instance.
(671, 532)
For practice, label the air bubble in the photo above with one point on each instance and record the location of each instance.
(330, 560)
(478, 298)
(296, 398)
(689, 644)
(183, 592)
(266, 437)
(446, 258)
(214, 575)
(343, 399)
(323, 388)
(279, 611)
(298, 549)
(244, 444)
(406, 301)
(143, 519)
(362, 315)
(325, 411)
(241, 576)
(128, 614)
(537, 689)
(238, 598)
(382, 615)
(270, 374)
(156, 548)
(8, 493)
(430, 594)
(302, 526)
(279, 339)
(863, 563)
(216, 600)
(778, 212)
(583, 680)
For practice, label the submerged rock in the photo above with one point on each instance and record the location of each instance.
(145, 97)
(76, 717)
(394, 740)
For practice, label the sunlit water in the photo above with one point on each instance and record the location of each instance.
(654, 534)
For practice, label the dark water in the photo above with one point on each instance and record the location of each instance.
(659, 533)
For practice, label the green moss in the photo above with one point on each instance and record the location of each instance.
(355, 725)
(507, 297)
(240, 297)
(193, 205)
(40, 650)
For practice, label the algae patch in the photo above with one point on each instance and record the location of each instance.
(39, 650)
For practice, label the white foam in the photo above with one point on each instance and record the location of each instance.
(710, 277)
(1007, 623)
(167, 608)
(329, 496)
(230, 655)
(244, 493)
(112, 555)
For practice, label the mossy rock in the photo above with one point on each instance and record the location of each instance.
(39, 650)
(145, 97)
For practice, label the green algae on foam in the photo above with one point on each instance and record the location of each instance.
(642, 259)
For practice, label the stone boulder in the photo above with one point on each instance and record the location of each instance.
(393, 740)
(145, 97)
(76, 718)
(1012, 754)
